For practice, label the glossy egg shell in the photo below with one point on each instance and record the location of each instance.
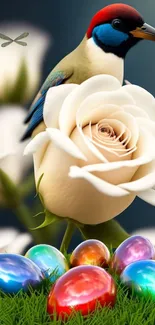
(132, 249)
(80, 289)
(48, 259)
(17, 272)
(140, 276)
(90, 252)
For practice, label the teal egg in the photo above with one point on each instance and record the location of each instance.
(140, 275)
(49, 259)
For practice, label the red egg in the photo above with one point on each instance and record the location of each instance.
(80, 289)
(90, 252)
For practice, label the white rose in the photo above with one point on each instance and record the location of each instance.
(12, 161)
(14, 57)
(98, 151)
(14, 242)
(149, 233)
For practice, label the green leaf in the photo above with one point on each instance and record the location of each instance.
(110, 233)
(38, 184)
(38, 214)
(37, 190)
(49, 219)
(27, 186)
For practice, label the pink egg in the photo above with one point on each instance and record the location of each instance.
(132, 249)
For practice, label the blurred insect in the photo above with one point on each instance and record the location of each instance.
(16, 40)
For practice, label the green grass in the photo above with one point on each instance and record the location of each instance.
(30, 309)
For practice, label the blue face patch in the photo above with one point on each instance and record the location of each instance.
(109, 36)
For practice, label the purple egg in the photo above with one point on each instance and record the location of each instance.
(133, 249)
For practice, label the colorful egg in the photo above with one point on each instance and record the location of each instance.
(140, 276)
(90, 252)
(132, 249)
(49, 259)
(17, 272)
(80, 289)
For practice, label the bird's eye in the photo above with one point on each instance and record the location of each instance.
(117, 23)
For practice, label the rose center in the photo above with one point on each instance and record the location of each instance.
(109, 137)
(106, 130)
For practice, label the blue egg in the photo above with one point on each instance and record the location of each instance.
(50, 260)
(140, 275)
(17, 272)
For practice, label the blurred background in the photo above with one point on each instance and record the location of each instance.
(62, 25)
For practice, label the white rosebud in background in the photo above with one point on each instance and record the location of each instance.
(146, 232)
(12, 161)
(21, 66)
(14, 242)
(98, 151)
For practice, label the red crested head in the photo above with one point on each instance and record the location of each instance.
(120, 11)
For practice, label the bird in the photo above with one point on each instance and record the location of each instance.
(112, 32)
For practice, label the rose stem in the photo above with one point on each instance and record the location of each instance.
(67, 236)
(22, 212)
(27, 186)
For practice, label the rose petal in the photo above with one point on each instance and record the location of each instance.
(100, 185)
(146, 125)
(96, 114)
(117, 172)
(144, 178)
(143, 182)
(53, 102)
(113, 154)
(65, 143)
(74, 198)
(88, 142)
(118, 128)
(127, 82)
(100, 101)
(142, 98)
(19, 244)
(144, 144)
(71, 104)
(7, 236)
(135, 111)
(113, 145)
(36, 143)
(117, 165)
(148, 196)
(130, 123)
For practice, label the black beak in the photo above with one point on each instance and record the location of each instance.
(144, 32)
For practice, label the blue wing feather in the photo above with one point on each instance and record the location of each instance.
(35, 115)
(36, 106)
(36, 119)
